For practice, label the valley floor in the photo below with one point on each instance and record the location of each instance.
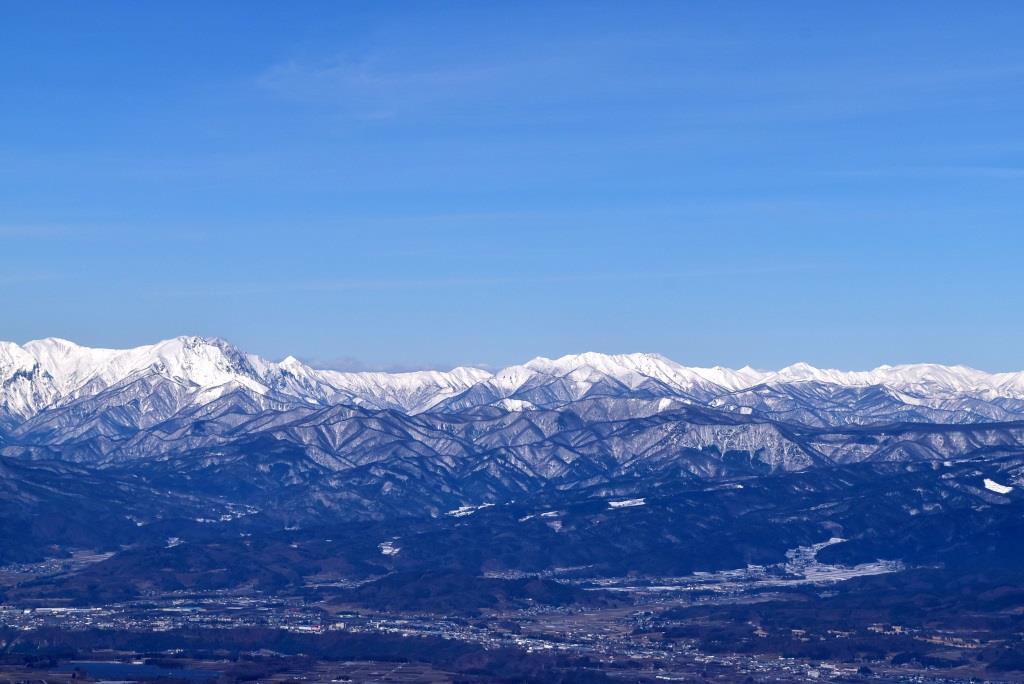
(766, 624)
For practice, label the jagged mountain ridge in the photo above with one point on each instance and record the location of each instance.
(48, 374)
(196, 429)
(468, 435)
(194, 410)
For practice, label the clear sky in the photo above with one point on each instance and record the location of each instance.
(399, 185)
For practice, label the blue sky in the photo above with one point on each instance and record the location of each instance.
(400, 185)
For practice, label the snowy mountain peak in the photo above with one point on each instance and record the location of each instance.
(926, 378)
(52, 372)
(13, 357)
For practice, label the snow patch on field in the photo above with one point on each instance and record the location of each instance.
(627, 503)
(993, 486)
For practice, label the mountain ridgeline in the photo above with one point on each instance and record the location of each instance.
(192, 433)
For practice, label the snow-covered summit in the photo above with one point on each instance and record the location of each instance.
(49, 372)
(921, 379)
(412, 391)
(635, 369)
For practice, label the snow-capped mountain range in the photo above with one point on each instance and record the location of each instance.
(49, 373)
(200, 421)
(46, 373)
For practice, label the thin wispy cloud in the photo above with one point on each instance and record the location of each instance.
(40, 232)
(29, 278)
(329, 285)
(366, 164)
(346, 75)
(369, 89)
(987, 171)
(121, 234)
(387, 84)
